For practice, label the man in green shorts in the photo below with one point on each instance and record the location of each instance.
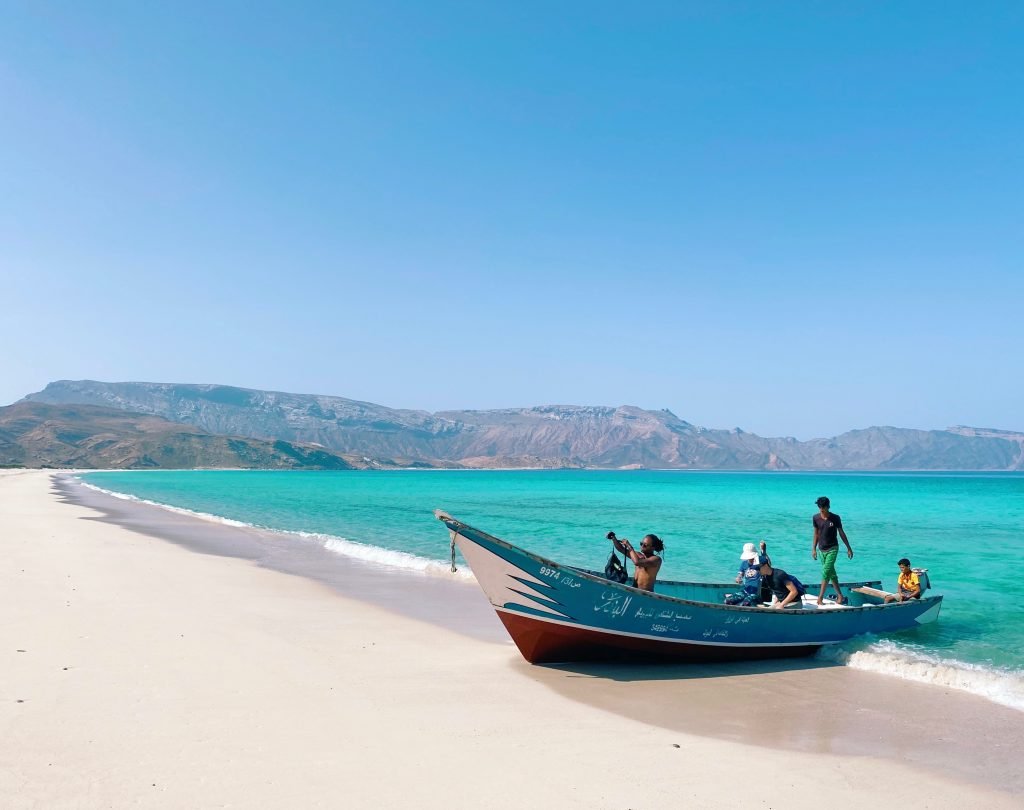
(826, 526)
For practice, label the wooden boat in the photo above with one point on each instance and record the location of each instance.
(558, 613)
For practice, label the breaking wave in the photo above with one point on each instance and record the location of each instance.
(177, 509)
(1003, 686)
(365, 552)
(388, 557)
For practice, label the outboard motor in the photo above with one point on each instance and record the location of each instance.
(922, 578)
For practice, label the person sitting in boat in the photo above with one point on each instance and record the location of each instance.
(750, 574)
(646, 560)
(785, 587)
(908, 585)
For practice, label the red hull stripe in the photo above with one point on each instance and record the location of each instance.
(547, 642)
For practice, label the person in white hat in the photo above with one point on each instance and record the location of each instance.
(750, 574)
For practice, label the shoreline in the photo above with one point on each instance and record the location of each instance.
(449, 603)
(727, 470)
(440, 671)
(930, 665)
(460, 606)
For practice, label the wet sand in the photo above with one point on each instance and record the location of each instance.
(403, 689)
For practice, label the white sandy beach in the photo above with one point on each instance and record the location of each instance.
(137, 673)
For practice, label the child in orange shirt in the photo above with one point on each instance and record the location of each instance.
(908, 586)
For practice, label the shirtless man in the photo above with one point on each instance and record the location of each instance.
(646, 560)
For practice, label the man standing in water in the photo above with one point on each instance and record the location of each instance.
(826, 526)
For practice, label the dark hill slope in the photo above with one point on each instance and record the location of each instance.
(34, 434)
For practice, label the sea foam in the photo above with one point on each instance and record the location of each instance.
(177, 509)
(337, 545)
(389, 558)
(885, 657)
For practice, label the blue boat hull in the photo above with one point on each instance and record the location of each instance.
(556, 613)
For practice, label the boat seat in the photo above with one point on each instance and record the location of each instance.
(873, 592)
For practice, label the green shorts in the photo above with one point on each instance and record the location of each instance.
(828, 564)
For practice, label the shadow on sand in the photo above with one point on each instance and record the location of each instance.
(673, 671)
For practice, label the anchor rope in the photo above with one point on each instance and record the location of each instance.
(454, 569)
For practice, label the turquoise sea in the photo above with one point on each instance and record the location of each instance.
(966, 529)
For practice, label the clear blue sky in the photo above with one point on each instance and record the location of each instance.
(795, 218)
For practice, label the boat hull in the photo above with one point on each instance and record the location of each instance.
(556, 613)
(546, 642)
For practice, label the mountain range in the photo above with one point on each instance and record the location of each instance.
(216, 425)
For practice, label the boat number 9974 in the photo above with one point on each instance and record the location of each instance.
(550, 572)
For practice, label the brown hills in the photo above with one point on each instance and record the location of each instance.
(34, 434)
(293, 430)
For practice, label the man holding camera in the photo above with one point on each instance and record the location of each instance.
(646, 560)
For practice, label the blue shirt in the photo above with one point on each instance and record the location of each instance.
(750, 571)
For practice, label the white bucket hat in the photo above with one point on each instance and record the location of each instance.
(748, 552)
